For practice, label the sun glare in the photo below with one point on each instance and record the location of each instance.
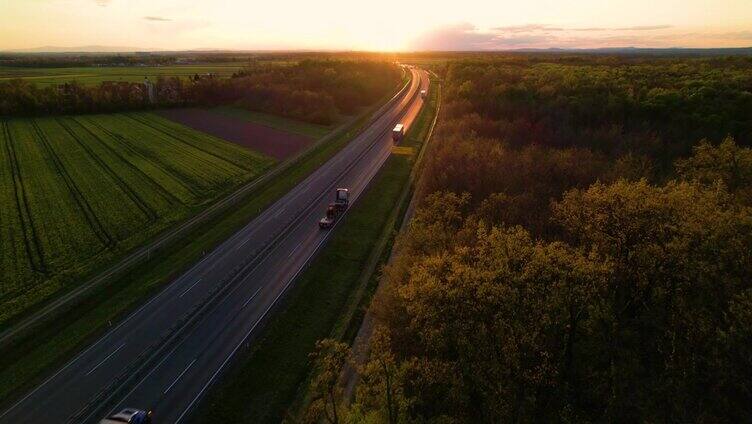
(391, 25)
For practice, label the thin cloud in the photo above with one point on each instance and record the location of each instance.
(736, 35)
(467, 37)
(520, 41)
(455, 37)
(516, 29)
(527, 28)
(739, 35)
(157, 19)
(102, 3)
(644, 28)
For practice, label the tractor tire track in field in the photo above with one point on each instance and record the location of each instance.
(180, 177)
(171, 198)
(148, 212)
(192, 154)
(160, 129)
(94, 223)
(32, 244)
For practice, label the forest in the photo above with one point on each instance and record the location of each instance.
(581, 251)
(312, 90)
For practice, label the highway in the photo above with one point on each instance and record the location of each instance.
(167, 353)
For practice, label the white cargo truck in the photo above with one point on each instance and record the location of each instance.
(398, 132)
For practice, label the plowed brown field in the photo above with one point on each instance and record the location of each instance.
(269, 141)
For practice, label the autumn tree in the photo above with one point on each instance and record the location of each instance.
(330, 357)
(380, 396)
(679, 255)
(726, 163)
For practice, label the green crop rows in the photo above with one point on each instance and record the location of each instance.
(77, 191)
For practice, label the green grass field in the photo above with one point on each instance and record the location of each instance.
(77, 191)
(94, 75)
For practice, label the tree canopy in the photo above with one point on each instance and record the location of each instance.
(581, 251)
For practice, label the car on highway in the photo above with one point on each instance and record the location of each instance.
(130, 416)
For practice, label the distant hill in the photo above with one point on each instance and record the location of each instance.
(651, 51)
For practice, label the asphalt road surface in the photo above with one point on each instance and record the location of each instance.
(168, 352)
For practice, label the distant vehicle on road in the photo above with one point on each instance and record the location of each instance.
(398, 132)
(342, 199)
(423, 94)
(130, 416)
(328, 220)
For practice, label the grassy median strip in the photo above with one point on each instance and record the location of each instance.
(265, 380)
(27, 360)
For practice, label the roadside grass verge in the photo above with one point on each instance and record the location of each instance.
(28, 359)
(324, 302)
(276, 122)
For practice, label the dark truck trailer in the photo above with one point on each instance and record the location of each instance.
(342, 198)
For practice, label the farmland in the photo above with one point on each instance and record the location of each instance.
(93, 75)
(244, 129)
(76, 191)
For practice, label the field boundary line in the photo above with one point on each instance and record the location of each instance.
(138, 117)
(165, 125)
(176, 232)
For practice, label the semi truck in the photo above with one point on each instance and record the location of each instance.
(423, 94)
(398, 132)
(341, 202)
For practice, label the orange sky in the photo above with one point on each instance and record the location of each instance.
(383, 25)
